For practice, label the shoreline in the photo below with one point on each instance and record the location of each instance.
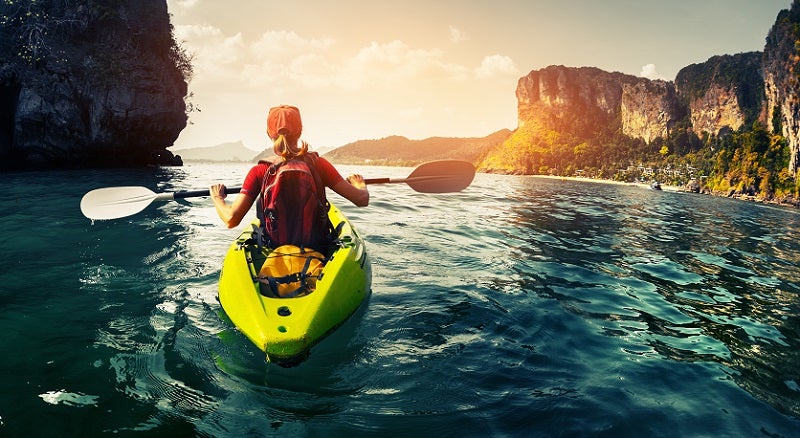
(668, 188)
(665, 188)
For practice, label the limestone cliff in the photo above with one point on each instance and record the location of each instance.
(717, 109)
(566, 108)
(781, 67)
(643, 108)
(724, 92)
(586, 96)
(648, 109)
(104, 85)
(588, 99)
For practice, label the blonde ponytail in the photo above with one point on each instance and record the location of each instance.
(283, 149)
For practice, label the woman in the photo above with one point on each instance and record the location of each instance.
(284, 128)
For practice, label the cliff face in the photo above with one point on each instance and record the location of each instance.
(642, 108)
(103, 86)
(561, 106)
(724, 92)
(717, 109)
(648, 109)
(781, 67)
(556, 93)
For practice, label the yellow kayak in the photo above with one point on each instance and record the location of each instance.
(286, 328)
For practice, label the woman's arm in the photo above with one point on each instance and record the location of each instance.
(231, 214)
(353, 189)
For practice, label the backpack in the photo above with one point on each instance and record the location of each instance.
(293, 208)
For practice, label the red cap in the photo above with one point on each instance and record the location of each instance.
(284, 120)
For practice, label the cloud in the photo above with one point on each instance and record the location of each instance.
(289, 60)
(279, 46)
(215, 56)
(185, 4)
(389, 82)
(496, 65)
(457, 35)
(196, 31)
(396, 62)
(649, 72)
(285, 59)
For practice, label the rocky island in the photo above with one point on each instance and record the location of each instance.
(89, 84)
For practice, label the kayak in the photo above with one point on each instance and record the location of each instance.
(286, 328)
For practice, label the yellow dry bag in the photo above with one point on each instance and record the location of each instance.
(291, 271)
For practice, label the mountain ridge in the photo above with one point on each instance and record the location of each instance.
(234, 151)
(397, 150)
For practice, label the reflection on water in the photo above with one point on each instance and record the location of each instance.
(687, 277)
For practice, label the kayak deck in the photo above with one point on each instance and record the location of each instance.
(286, 328)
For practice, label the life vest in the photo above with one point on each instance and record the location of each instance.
(293, 208)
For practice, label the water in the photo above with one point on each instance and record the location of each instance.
(520, 307)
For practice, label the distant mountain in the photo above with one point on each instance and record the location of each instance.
(226, 152)
(400, 151)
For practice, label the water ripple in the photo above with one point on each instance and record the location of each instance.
(519, 307)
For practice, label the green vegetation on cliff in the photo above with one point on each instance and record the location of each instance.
(47, 33)
(750, 161)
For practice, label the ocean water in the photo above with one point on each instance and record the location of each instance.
(521, 306)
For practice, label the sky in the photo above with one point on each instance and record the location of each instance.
(368, 69)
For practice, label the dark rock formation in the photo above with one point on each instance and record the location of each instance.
(103, 84)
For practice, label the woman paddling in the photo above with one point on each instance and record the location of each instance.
(282, 176)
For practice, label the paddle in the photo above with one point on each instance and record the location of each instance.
(443, 176)
(115, 202)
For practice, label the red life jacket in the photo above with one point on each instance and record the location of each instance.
(293, 208)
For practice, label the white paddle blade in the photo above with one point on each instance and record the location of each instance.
(116, 202)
